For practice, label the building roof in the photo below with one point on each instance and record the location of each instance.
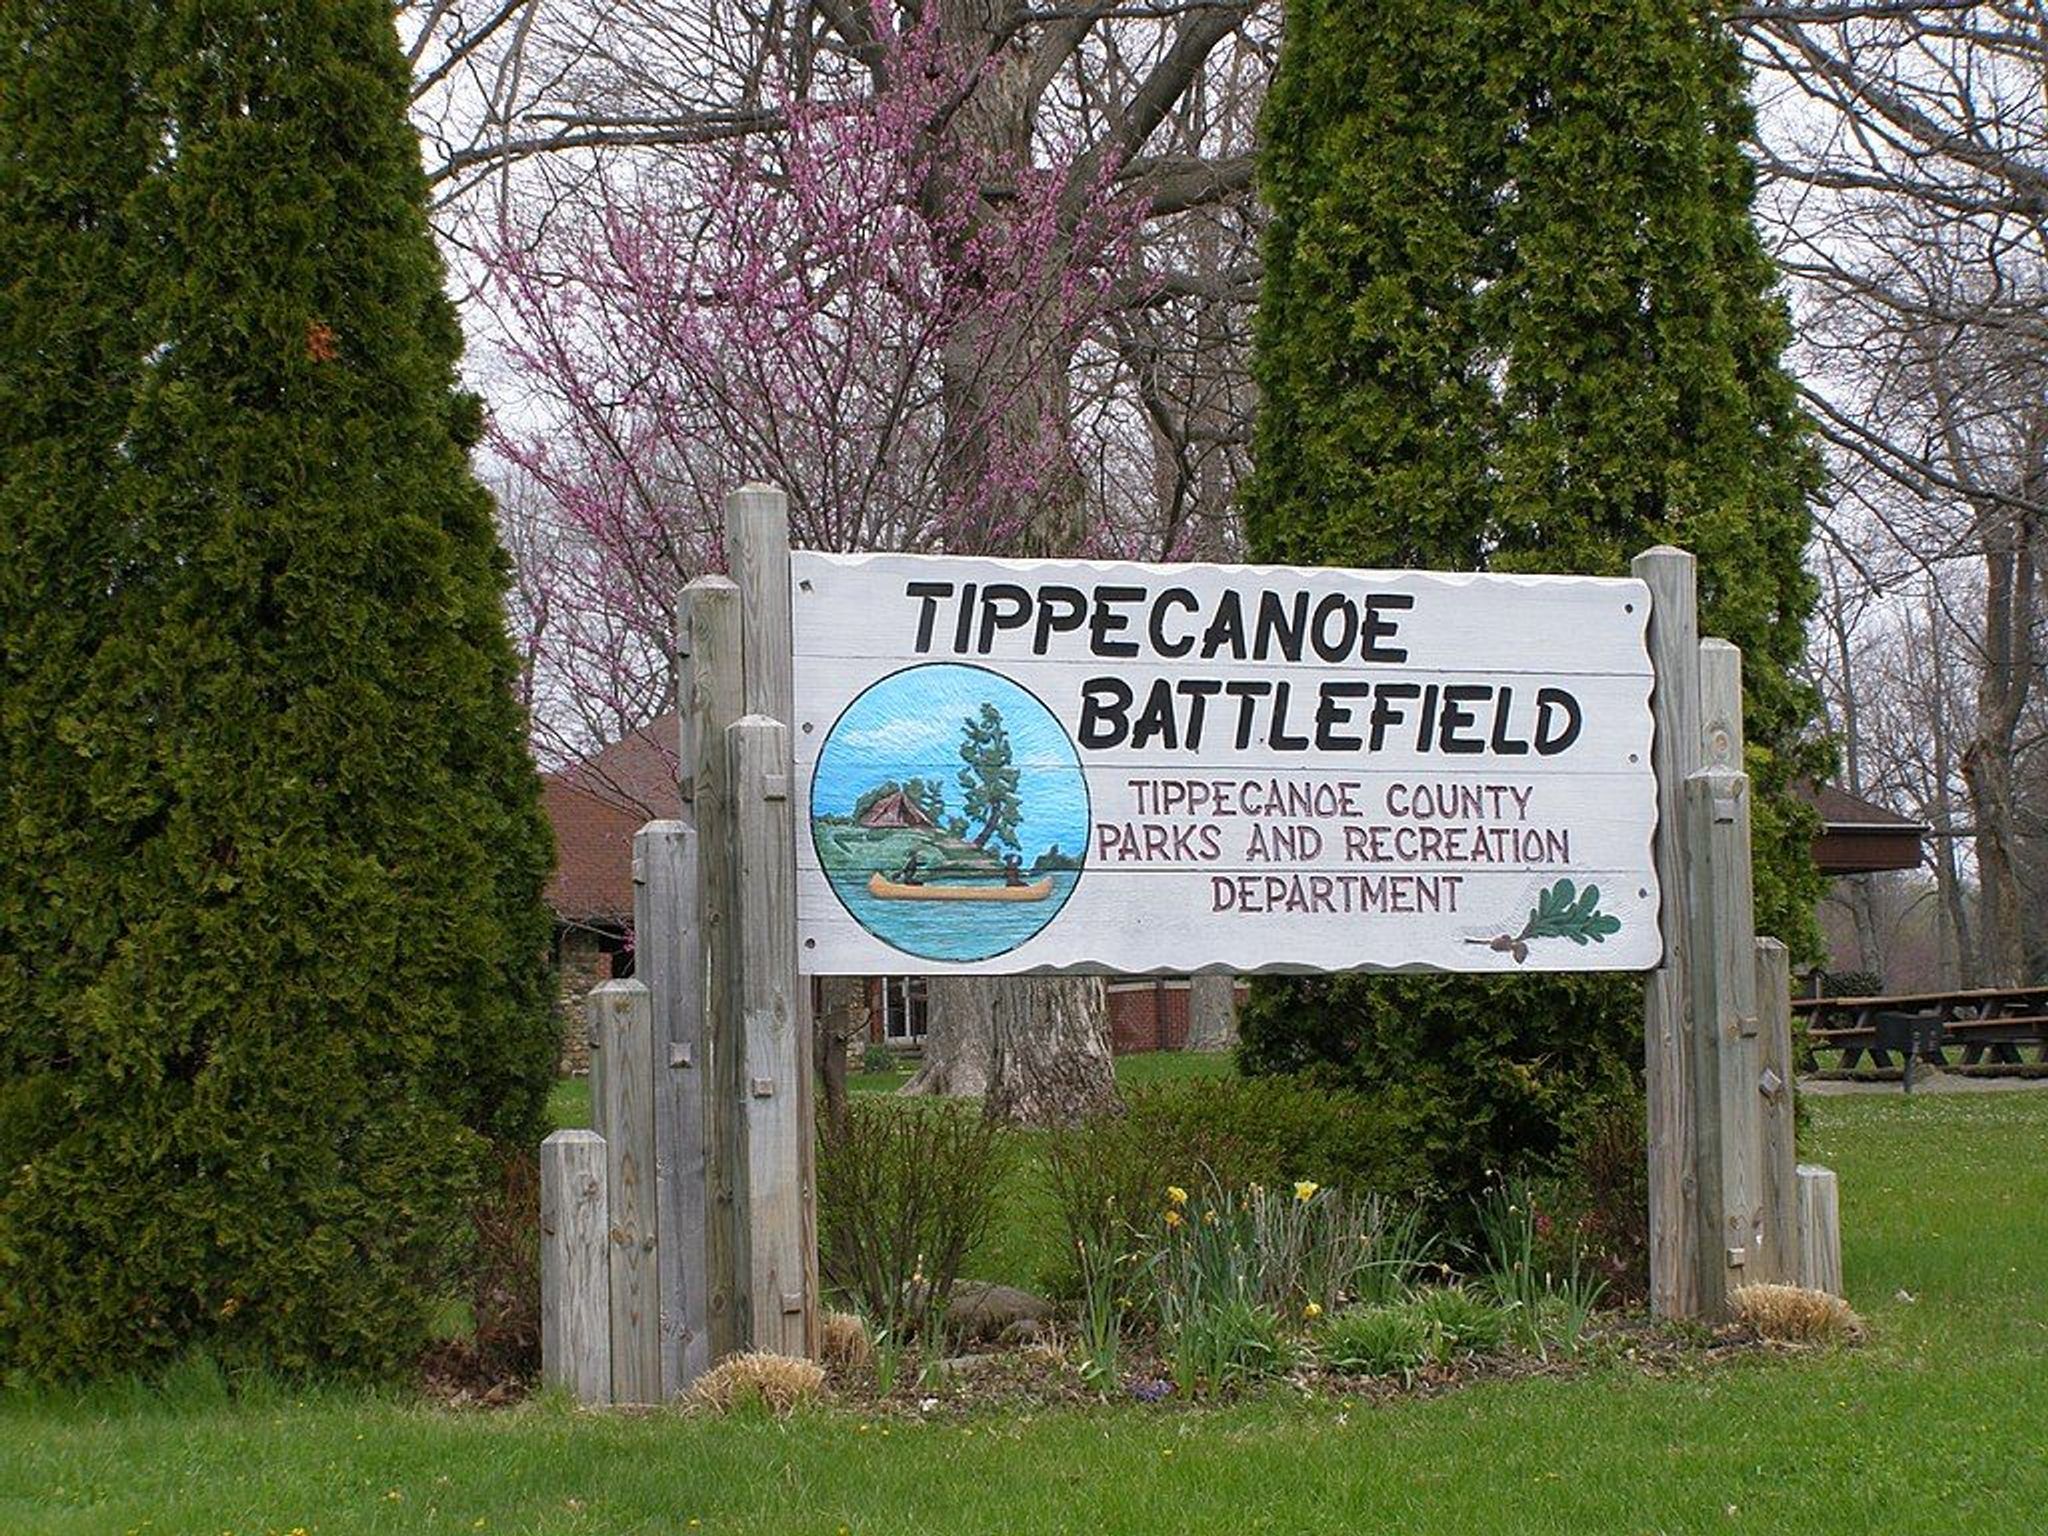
(595, 807)
(896, 809)
(1858, 837)
(1842, 811)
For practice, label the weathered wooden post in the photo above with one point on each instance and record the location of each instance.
(1820, 1230)
(709, 688)
(666, 957)
(757, 553)
(1778, 1258)
(1667, 1033)
(1724, 1010)
(782, 1221)
(783, 1235)
(621, 1017)
(575, 1287)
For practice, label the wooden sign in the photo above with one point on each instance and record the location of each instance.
(1012, 766)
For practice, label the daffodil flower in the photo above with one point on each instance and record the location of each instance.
(1304, 1190)
(1176, 1194)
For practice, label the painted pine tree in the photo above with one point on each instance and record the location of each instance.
(989, 781)
(276, 949)
(1516, 317)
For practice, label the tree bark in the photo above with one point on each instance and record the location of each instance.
(1988, 775)
(2003, 683)
(1941, 813)
(1052, 1063)
(1212, 1013)
(959, 1040)
(1860, 897)
(1037, 1047)
(842, 1019)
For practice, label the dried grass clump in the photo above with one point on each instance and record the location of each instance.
(1794, 1314)
(843, 1342)
(777, 1382)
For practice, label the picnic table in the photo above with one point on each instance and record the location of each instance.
(1989, 1025)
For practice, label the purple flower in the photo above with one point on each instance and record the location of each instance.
(1147, 1390)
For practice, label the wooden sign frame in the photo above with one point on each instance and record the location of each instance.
(704, 1060)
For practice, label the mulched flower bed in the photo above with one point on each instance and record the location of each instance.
(1042, 1377)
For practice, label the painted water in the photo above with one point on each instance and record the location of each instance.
(953, 930)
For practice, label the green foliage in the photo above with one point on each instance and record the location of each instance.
(990, 778)
(1214, 1342)
(1595, 1204)
(272, 950)
(1851, 984)
(1543, 1302)
(905, 1190)
(1434, 1326)
(1226, 1274)
(1112, 1173)
(1479, 1074)
(1389, 1340)
(1225, 1284)
(1516, 317)
(1464, 1322)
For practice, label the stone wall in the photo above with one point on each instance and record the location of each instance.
(583, 958)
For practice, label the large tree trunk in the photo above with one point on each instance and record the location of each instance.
(1961, 951)
(1212, 1013)
(1988, 775)
(2005, 677)
(1052, 1060)
(959, 1039)
(842, 1020)
(1860, 897)
(1043, 1043)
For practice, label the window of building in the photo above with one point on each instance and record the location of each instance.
(903, 1009)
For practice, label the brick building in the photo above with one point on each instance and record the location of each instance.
(595, 808)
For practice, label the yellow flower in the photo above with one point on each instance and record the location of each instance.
(1173, 1218)
(1176, 1194)
(1312, 1311)
(1304, 1190)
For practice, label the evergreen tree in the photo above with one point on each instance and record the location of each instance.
(929, 796)
(989, 779)
(73, 146)
(1516, 317)
(271, 924)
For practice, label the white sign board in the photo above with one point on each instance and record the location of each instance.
(1056, 765)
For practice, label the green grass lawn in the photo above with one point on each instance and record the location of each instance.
(1937, 1425)
(569, 1104)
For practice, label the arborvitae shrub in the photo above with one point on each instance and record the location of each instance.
(272, 950)
(1516, 317)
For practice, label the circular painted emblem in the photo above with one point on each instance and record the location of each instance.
(949, 812)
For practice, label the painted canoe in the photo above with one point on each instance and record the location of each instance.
(889, 890)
